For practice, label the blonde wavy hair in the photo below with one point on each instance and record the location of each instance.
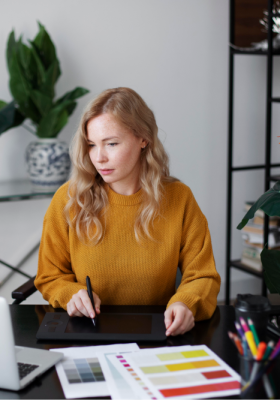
(88, 198)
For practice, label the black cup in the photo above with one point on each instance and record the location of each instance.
(255, 307)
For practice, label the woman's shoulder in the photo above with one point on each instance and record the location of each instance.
(59, 200)
(177, 188)
(61, 194)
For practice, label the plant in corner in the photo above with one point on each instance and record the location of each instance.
(34, 70)
(269, 202)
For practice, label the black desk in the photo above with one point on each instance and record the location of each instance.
(213, 333)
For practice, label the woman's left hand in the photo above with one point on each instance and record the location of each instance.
(178, 319)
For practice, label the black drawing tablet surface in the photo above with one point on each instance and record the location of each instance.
(114, 327)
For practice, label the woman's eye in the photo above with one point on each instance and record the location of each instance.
(91, 145)
(112, 144)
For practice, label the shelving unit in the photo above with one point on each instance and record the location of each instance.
(268, 165)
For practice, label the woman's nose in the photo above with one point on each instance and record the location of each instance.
(101, 155)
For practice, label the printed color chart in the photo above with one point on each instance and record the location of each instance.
(83, 370)
(191, 372)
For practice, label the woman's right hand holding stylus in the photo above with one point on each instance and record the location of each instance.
(80, 305)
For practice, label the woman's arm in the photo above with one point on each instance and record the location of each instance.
(200, 282)
(55, 278)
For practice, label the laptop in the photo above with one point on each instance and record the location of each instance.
(20, 365)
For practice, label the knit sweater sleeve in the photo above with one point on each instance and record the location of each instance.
(200, 282)
(55, 278)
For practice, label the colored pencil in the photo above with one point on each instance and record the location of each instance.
(253, 329)
(239, 330)
(275, 349)
(236, 341)
(261, 351)
(269, 350)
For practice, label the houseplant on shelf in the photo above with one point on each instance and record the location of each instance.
(34, 70)
(269, 202)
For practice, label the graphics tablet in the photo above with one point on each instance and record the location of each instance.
(116, 327)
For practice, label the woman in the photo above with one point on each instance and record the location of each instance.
(125, 222)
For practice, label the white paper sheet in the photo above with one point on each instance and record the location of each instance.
(118, 386)
(80, 372)
(177, 373)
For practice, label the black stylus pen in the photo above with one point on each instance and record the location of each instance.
(91, 297)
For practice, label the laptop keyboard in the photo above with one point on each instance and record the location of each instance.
(25, 369)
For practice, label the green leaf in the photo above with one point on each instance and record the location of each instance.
(21, 89)
(271, 269)
(42, 102)
(27, 62)
(11, 47)
(61, 122)
(51, 76)
(72, 95)
(10, 117)
(45, 46)
(269, 202)
(50, 123)
(41, 73)
(71, 107)
(2, 104)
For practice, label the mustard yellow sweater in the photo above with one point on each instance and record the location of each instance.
(123, 271)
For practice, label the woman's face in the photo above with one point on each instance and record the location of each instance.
(115, 153)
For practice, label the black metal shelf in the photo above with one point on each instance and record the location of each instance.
(267, 165)
(274, 178)
(242, 267)
(247, 167)
(275, 52)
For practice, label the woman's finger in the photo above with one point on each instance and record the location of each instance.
(168, 317)
(187, 325)
(72, 310)
(87, 303)
(97, 302)
(177, 322)
(79, 304)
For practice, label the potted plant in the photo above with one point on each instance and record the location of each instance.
(269, 202)
(34, 70)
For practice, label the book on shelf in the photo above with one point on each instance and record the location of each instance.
(260, 245)
(254, 228)
(255, 238)
(260, 214)
(252, 252)
(252, 263)
(273, 221)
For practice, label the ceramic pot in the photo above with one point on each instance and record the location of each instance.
(48, 164)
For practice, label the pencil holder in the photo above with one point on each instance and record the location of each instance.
(249, 370)
(257, 308)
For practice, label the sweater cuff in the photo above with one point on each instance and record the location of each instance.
(61, 297)
(189, 300)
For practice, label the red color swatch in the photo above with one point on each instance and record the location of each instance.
(216, 374)
(215, 387)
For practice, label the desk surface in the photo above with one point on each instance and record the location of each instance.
(213, 333)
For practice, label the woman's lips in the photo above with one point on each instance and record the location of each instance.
(106, 171)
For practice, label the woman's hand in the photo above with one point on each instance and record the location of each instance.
(80, 305)
(178, 319)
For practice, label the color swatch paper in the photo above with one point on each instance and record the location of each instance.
(177, 373)
(80, 372)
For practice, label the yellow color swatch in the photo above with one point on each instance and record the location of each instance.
(182, 355)
(192, 365)
(195, 353)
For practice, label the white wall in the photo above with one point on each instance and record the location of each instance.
(175, 55)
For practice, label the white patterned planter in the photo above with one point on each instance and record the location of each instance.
(48, 164)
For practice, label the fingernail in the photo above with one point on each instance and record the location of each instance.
(167, 333)
(91, 315)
